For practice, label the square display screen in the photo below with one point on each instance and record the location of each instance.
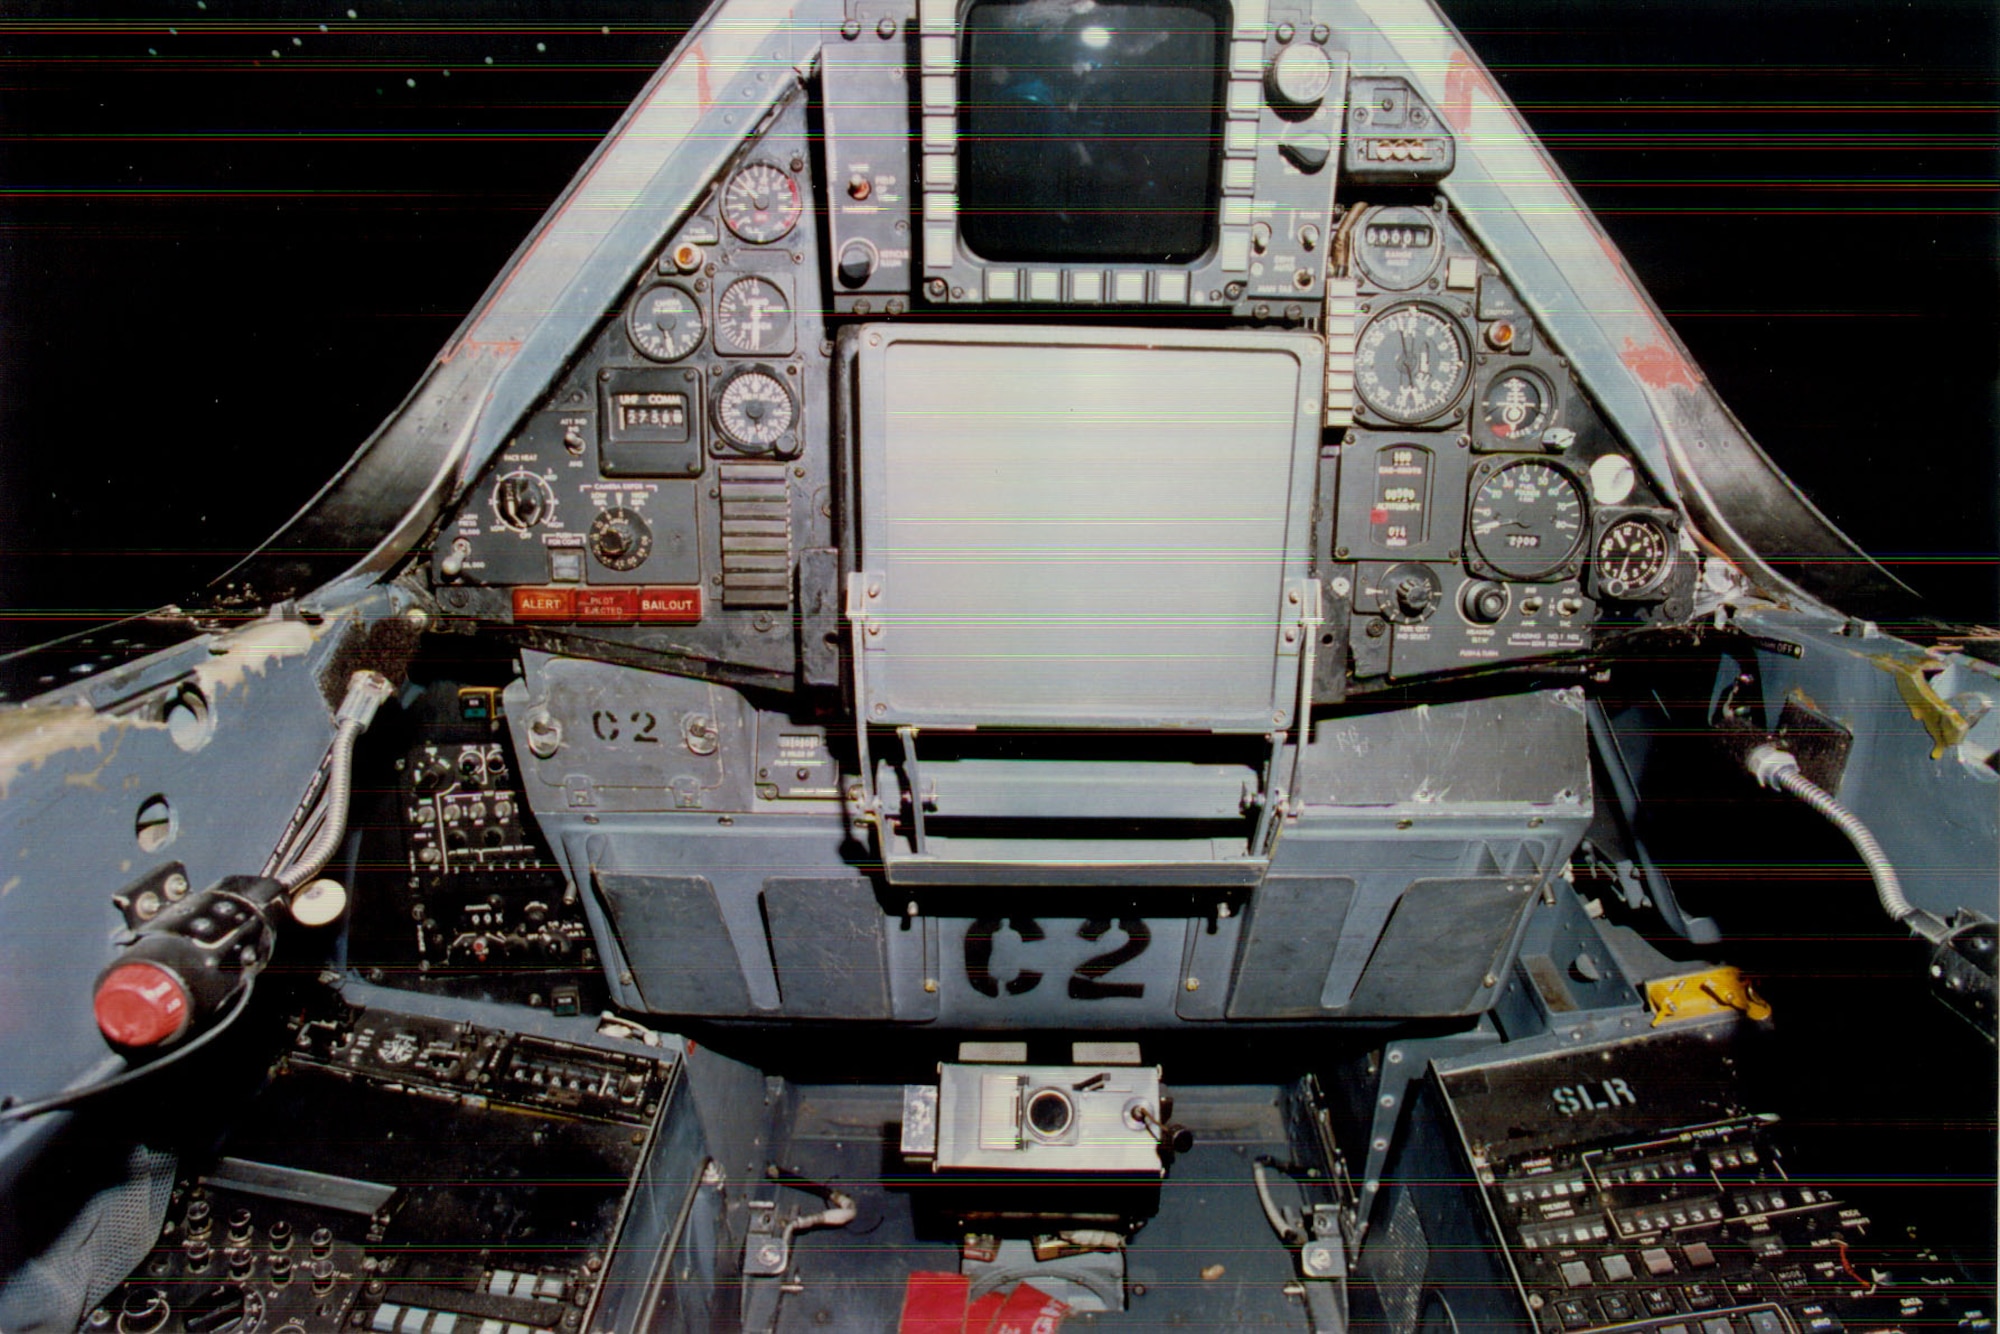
(1090, 129)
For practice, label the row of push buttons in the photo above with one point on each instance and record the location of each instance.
(665, 606)
(1660, 1217)
(1617, 1268)
(1542, 1188)
(1619, 1308)
(1653, 1171)
(392, 1319)
(1562, 1234)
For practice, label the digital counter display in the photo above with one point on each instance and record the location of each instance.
(649, 416)
(1090, 130)
(1399, 236)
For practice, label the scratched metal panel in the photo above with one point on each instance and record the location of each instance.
(675, 942)
(829, 942)
(1288, 946)
(1442, 942)
(1515, 748)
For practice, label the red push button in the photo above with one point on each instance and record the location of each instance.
(544, 604)
(607, 604)
(141, 1005)
(671, 605)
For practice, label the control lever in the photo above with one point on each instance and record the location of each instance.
(190, 960)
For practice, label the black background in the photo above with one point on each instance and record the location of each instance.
(220, 267)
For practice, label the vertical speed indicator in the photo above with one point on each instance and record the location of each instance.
(1526, 519)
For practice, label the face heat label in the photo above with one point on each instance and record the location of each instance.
(1603, 1095)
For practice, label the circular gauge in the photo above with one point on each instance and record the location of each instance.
(1634, 555)
(754, 411)
(1527, 519)
(620, 539)
(1410, 364)
(753, 316)
(521, 500)
(1517, 407)
(761, 203)
(665, 322)
(1398, 247)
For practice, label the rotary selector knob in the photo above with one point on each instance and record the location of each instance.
(521, 500)
(1483, 602)
(1298, 79)
(1416, 597)
(620, 539)
(1410, 593)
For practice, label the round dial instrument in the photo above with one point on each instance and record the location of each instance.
(1527, 519)
(665, 322)
(1397, 247)
(1517, 407)
(1410, 364)
(754, 411)
(753, 316)
(761, 203)
(620, 539)
(521, 500)
(1634, 555)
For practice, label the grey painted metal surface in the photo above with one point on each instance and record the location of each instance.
(1082, 527)
(199, 755)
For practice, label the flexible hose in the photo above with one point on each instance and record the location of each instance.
(1779, 769)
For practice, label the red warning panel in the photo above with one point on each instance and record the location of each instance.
(544, 604)
(671, 605)
(607, 604)
(934, 1304)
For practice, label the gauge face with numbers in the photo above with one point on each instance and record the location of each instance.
(1634, 556)
(761, 203)
(1516, 407)
(665, 322)
(754, 411)
(1410, 364)
(753, 317)
(1527, 519)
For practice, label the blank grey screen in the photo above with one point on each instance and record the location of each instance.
(1081, 533)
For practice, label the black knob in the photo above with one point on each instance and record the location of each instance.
(196, 1221)
(145, 1310)
(614, 539)
(240, 1262)
(281, 1235)
(281, 1269)
(1415, 596)
(199, 1253)
(520, 501)
(857, 263)
(1484, 603)
(322, 1275)
(239, 1225)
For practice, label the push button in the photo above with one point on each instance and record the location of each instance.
(1657, 1261)
(1576, 1274)
(1698, 1254)
(1617, 1269)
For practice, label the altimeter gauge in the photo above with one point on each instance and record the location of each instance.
(1410, 364)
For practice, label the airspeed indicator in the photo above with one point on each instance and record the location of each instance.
(1527, 519)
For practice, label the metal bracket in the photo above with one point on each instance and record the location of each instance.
(915, 777)
(1300, 637)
